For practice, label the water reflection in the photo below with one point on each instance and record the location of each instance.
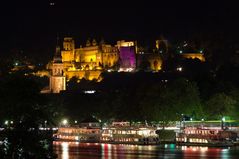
(65, 150)
(74, 150)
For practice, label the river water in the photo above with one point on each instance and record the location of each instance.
(74, 150)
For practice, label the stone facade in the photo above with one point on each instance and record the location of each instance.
(91, 57)
(57, 78)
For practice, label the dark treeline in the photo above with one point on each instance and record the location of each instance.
(197, 92)
(23, 110)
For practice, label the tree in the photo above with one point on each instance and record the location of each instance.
(166, 102)
(22, 104)
(220, 105)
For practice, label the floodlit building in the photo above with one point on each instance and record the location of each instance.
(90, 60)
(198, 55)
(127, 51)
(57, 78)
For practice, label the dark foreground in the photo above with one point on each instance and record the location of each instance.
(73, 150)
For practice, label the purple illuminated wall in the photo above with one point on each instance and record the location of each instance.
(127, 57)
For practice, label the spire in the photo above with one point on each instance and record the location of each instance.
(57, 56)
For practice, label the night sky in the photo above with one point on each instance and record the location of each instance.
(32, 26)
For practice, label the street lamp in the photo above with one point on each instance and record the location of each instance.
(6, 122)
(182, 121)
(202, 122)
(45, 122)
(64, 122)
(223, 120)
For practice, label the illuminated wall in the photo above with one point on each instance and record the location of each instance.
(67, 56)
(90, 75)
(152, 60)
(155, 61)
(194, 56)
(57, 79)
(127, 57)
(68, 44)
(124, 43)
(68, 53)
(42, 73)
(109, 56)
(57, 84)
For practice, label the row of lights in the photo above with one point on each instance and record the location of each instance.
(181, 51)
(65, 122)
(7, 122)
(223, 119)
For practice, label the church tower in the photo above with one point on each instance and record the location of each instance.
(57, 79)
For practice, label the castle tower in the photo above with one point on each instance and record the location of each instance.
(57, 79)
(69, 44)
(68, 52)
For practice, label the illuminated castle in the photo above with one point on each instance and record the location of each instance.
(91, 60)
(90, 57)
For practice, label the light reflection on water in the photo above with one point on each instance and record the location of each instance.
(75, 150)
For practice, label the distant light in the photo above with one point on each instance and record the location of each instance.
(11, 122)
(64, 121)
(201, 51)
(16, 64)
(90, 92)
(161, 51)
(180, 51)
(191, 119)
(52, 3)
(165, 80)
(75, 121)
(6, 122)
(45, 121)
(179, 69)
(126, 69)
(202, 119)
(223, 119)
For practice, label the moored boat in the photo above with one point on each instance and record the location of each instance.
(206, 137)
(126, 134)
(78, 134)
(114, 133)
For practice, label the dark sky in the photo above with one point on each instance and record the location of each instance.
(32, 26)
